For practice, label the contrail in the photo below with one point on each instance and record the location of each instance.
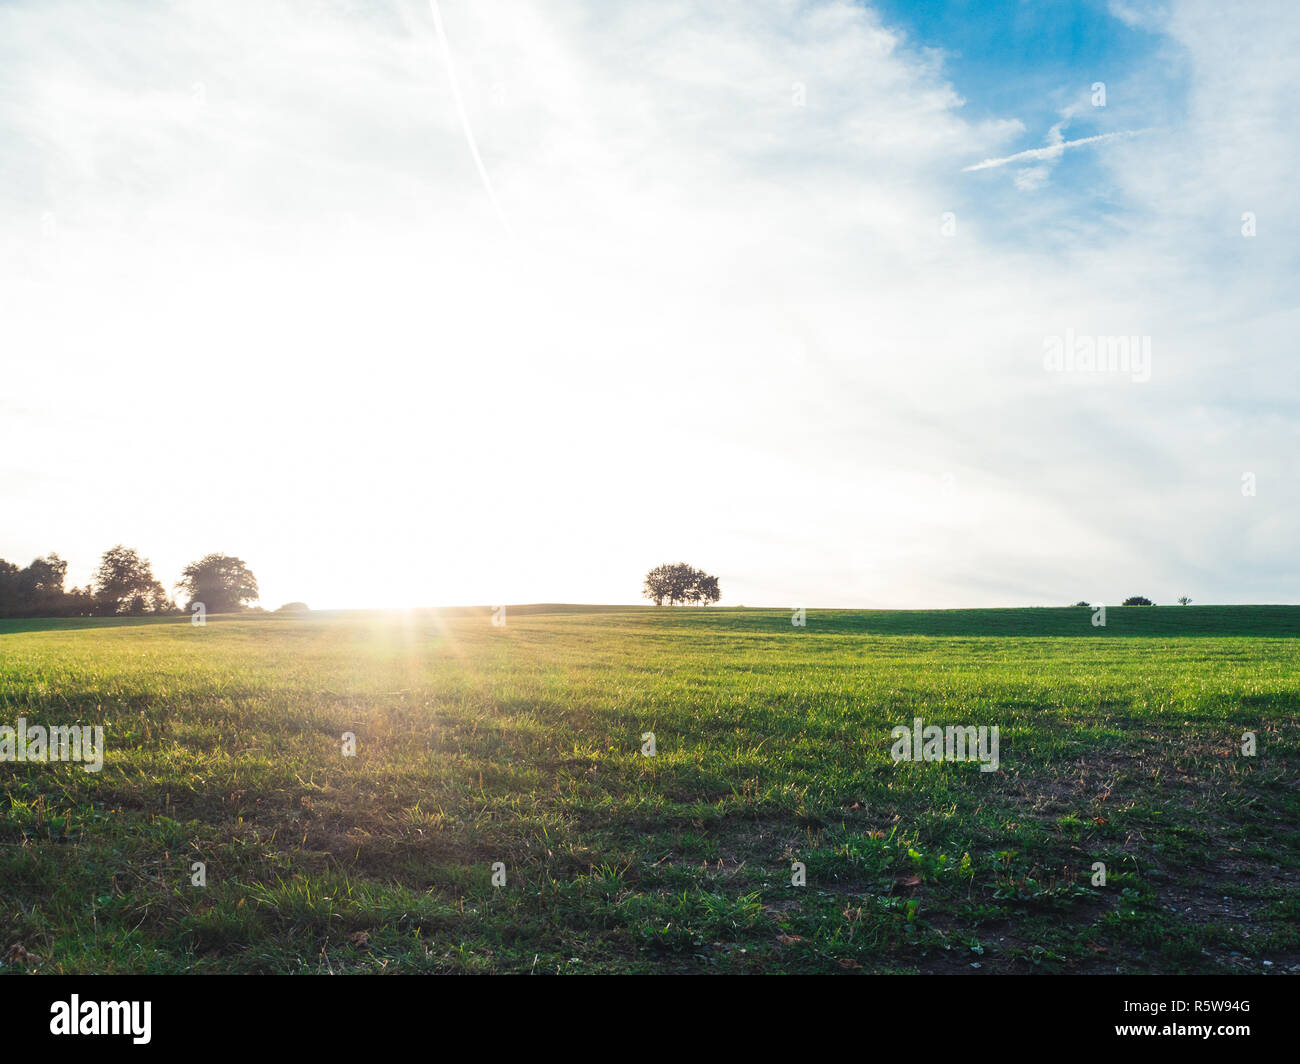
(1051, 150)
(464, 118)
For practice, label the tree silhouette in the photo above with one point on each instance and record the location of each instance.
(37, 590)
(125, 584)
(706, 589)
(679, 583)
(222, 583)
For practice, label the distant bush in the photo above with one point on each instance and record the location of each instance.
(294, 607)
(1085, 605)
(1138, 600)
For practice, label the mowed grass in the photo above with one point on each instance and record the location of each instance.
(522, 745)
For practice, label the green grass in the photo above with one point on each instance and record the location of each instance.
(522, 745)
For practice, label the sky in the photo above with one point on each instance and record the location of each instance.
(410, 303)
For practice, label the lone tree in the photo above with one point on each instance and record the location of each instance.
(222, 583)
(1138, 600)
(124, 583)
(680, 583)
(1183, 600)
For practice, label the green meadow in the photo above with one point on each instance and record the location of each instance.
(521, 747)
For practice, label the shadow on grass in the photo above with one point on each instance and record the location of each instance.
(1277, 622)
(1265, 622)
(18, 625)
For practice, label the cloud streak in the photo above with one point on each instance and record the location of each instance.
(1052, 151)
(464, 118)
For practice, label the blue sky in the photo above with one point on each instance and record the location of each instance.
(744, 302)
(1039, 61)
(1011, 56)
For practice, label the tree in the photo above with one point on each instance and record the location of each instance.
(1183, 600)
(9, 602)
(1138, 600)
(40, 585)
(1085, 605)
(679, 583)
(660, 583)
(37, 590)
(79, 602)
(707, 590)
(125, 584)
(222, 583)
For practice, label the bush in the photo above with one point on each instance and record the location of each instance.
(1138, 600)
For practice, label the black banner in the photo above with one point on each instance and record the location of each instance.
(152, 1013)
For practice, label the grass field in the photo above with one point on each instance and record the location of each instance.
(522, 745)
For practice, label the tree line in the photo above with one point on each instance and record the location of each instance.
(124, 585)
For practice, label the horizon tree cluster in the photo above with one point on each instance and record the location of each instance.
(124, 585)
(680, 584)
